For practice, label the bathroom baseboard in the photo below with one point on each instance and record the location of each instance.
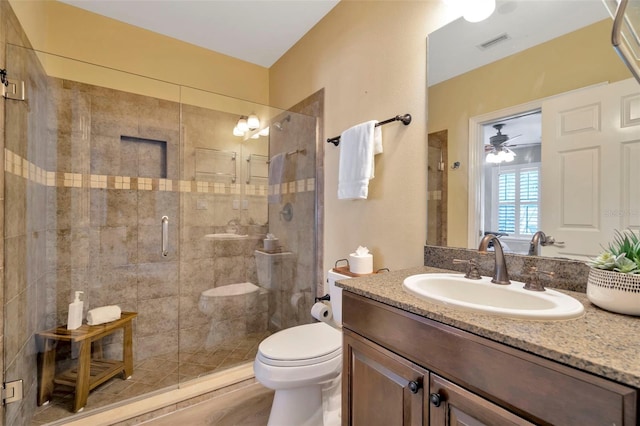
(164, 402)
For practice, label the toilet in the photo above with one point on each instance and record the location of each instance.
(302, 364)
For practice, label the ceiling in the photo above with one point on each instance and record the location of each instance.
(256, 31)
(524, 129)
(453, 49)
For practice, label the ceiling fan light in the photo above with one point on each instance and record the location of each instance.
(264, 132)
(256, 135)
(509, 155)
(253, 122)
(492, 158)
(242, 125)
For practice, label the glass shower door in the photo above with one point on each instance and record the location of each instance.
(89, 169)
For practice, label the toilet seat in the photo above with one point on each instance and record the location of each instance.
(301, 345)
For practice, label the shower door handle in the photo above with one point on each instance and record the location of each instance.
(165, 235)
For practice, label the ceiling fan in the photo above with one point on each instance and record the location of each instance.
(497, 150)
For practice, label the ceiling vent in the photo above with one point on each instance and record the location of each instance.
(494, 41)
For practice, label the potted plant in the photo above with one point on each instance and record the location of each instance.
(614, 278)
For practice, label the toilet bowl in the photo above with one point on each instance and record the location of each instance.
(302, 364)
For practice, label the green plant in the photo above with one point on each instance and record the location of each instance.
(622, 255)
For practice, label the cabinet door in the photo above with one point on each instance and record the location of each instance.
(453, 405)
(379, 387)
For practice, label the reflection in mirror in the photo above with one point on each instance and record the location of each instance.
(499, 71)
(511, 179)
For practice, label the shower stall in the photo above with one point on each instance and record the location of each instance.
(136, 192)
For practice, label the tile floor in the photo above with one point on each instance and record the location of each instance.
(249, 406)
(153, 374)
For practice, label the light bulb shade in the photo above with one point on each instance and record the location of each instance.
(255, 135)
(264, 132)
(237, 132)
(509, 155)
(477, 10)
(253, 122)
(492, 157)
(242, 125)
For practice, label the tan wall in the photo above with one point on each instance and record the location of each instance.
(60, 29)
(566, 63)
(370, 58)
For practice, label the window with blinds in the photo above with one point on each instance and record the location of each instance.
(518, 199)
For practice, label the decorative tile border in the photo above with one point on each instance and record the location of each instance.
(19, 166)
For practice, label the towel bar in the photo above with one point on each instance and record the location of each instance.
(406, 120)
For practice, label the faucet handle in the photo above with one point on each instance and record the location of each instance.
(534, 283)
(472, 270)
(549, 241)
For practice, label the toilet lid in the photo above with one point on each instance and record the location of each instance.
(301, 345)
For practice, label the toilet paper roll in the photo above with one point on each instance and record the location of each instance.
(362, 264)
(321, 312)
(270, 244)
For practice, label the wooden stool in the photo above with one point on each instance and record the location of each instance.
(89, 372)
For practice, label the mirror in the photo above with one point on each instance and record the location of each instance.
(481, 74)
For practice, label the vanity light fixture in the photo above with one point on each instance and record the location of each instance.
(237, 132)
(249, 124)
(243, 125)
(253, 122)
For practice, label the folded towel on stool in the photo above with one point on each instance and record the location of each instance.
(103, 314)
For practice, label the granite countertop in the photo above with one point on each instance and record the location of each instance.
(599, 342)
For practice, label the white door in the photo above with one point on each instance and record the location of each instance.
(590, 175)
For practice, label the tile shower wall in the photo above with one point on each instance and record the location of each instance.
(207, 263)
(292, 298)
(110, 196)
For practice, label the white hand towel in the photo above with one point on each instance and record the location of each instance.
(276, 173)
(103, 314)
(358, 145)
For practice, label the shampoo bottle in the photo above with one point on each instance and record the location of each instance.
(74, 319)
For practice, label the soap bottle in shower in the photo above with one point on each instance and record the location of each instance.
(74, 318)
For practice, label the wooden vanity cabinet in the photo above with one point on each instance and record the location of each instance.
(383, 387)
(404, 369)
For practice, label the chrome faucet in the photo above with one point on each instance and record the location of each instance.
(232, 226)
(500, 274)
(538, 239)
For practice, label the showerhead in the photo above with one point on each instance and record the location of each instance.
(279, 125)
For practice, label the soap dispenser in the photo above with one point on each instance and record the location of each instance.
(74, 319)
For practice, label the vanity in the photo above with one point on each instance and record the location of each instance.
(408, 361)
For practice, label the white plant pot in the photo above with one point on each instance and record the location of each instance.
(614, 291)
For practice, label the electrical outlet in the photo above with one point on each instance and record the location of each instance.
(245, 204)
(201, 204)
(236, 204)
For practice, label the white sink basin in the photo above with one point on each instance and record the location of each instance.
(483, 296)
(225, 236)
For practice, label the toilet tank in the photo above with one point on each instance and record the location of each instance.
(336, 294)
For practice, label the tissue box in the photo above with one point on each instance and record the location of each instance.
(361, 264)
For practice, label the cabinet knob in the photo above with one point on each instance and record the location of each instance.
(435, 399)
(414, 386)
